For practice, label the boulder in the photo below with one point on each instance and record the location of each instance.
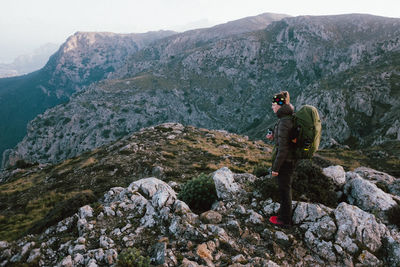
(152, 186)
(358, 226)
(368, 259)
(374, 175)
(391, 183)
(307, 212)
(211, 217)
(225, 185)
(85, 212)
(336, 173)
(367, 195)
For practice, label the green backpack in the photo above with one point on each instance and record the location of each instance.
(307, 132)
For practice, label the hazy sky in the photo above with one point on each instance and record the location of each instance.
(27, 24)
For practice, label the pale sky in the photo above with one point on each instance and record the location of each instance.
(28, 24)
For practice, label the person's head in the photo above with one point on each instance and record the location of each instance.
(279, 100)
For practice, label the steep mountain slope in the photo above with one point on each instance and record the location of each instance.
(361, 105)
(226, 83)
(169, 151)
(84, 58)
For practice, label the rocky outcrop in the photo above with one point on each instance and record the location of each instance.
(147, 215)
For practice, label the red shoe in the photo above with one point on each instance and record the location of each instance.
(276, 221)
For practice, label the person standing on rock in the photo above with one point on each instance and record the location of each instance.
(283, 159)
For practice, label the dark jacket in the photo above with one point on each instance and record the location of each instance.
(284, 148)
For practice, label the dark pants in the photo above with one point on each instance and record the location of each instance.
(285, 179)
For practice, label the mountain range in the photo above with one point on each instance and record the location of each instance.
(221, 78)
(29, 62)
(84, 58)
(105, 176)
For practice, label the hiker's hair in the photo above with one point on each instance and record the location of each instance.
(286, 96)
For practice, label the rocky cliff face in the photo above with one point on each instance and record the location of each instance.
(143, 212)
(87, 57)
(345, 65)
(83, 59)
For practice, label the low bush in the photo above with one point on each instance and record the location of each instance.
(261, 170)
(131, 257)
(199, 193)
(310, 184)
(268, 188)
(22, 164)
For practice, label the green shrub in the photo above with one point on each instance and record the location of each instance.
(268, 188)
(393, 215)
(199, 193)
(131, 257)
(66, 120)
(106, 133)
(310, 184)
(261, 170)
(22, 164)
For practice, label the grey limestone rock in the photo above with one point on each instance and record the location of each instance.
(352, 221)
(224, 184)
(367, 195)
(211, 217)
(337, 174)
(67, 262)
(374, 176)
(85, 212)
(155, 189)
(368, 259)
(159, 253)
(236, 232)
(34, 255)
(306, 212)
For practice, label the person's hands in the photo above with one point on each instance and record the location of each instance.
(275, 173)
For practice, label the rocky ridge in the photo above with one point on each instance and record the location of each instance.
(227, 83)
(147, 215)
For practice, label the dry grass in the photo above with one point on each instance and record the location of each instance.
(88, 162)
